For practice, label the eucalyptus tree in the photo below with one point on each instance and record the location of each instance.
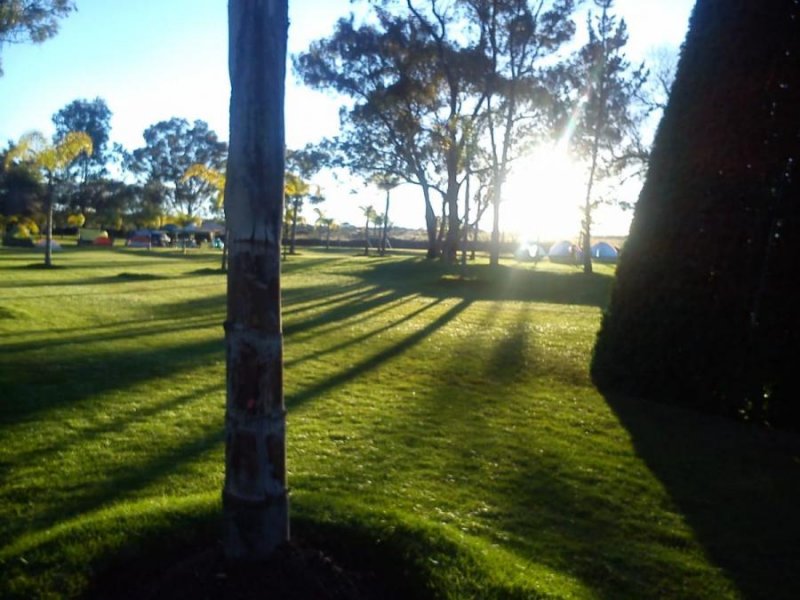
(94, 118)
(608, 118)
(31, 20)
(52, 160)
(388, 72)
(461, 66)
(521, 41)
(171, 147)
(255, 496)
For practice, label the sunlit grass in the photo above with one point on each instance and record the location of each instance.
(446, 423)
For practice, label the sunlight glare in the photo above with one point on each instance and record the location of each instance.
(543, 196)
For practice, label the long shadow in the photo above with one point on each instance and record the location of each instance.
(133, 329)
(34, 383)
(362, 338)
(122, 277)
(377, 359)
(123, 419)
(482, 282)
(550, 505)
(738, 487)
(123, 482)
(323, 297)
(335, 317)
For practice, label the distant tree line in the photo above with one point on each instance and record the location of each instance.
(448, 96)
(176, 176)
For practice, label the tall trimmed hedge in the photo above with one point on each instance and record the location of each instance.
(704, 309)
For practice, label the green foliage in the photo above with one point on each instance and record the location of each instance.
(31, 20)
(94, 118)
(171, 148)
(441, 429)
(705, 309)
(606, 123)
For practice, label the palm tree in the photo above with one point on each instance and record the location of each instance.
(255, 501)
(386, 183)
(369, 214)
(51, 160)
(328, 223)
(296, 190)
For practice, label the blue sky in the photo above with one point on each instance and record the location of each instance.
(155, 59)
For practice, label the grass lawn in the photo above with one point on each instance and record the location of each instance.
(444, 426)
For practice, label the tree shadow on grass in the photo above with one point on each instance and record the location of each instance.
(37, 382)
(121, 482)
(482, 282)
(549, 504)
(374, 361)
(737, 485)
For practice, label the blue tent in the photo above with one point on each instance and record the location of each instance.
(565, 252)
(604, 252)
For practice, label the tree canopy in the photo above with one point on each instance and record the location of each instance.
(171, 147)
(30, 20)
(94, 118)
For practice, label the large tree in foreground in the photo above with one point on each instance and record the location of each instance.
(255, 501)
(30, 20)
(704, 310)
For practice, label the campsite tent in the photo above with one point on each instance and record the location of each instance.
(604, 252)
(94, 237)
(565, 252)
(54, 245)
(531, 251)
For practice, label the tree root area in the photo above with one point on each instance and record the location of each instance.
(296, 571)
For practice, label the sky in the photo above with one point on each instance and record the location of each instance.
(151, 60)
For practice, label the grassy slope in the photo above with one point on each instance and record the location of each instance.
(447, 423)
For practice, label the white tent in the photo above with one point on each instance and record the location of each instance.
(531, 251)
(54, 245)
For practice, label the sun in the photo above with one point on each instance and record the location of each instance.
(542, 197)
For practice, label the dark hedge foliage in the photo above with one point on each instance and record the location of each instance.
(704, 310)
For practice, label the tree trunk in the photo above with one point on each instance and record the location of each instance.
(587, 212)
(430, 224)
(255, 500)
(366, 238)
(48, 231)
(295, 202)
(385, 224)
(494, 250)
(466, 219)
(224, 264)
(452, 237)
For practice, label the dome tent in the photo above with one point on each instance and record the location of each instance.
(565, 252)
(531, 251)
(604, 252)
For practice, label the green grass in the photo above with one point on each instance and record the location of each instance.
(443, 426)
